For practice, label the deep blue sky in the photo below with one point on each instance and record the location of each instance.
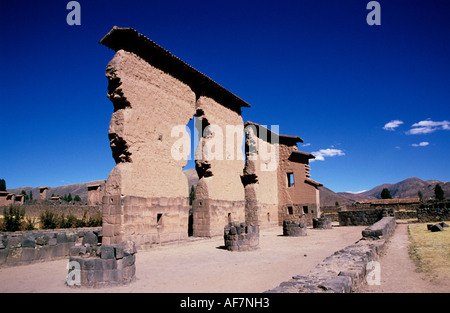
(315, 68)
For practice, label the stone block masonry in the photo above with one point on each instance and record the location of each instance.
(346, 270)
(384, 228)
(241, 237)
(322, 222)
(294, 229)
(363, 217)
(21, 248)
(145, 221)
(102, 265)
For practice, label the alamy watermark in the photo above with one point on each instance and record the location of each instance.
(373, 273)
(374, 16)
(73, 277)
(74, 16)
(214, 142)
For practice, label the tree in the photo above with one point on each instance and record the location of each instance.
(386, 194)
(2, 185)
(69, 197)
(25, 196)
(191, 195)
(30, 196)
(77, 198)
(419, 193)
(439, 193)
(336, 204)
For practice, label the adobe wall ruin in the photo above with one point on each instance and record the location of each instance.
(261, 176)
(146, 193)
(298, 195)
(219, 197)
(155, 95)
(94, 194)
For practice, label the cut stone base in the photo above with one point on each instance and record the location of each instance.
(241, 237)
(292, 228)
(322, 223)
(108, 265)
(145, 221)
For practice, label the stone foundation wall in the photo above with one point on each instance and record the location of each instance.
(21, 248)
(241, 237)
(145, 221)
(102, 265)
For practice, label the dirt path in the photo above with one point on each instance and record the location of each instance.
(398, 270)
(200, 266)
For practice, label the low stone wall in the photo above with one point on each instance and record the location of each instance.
(346, 270)
(241, 237)
(404, 215)
(331, 212)
(363, 217)
(433, 214)
(20, 248)
(98, 266)
(294, 229)
(384, 228)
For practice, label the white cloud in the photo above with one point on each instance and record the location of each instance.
(356, 192)
(422, 144)
(428, 126)
(322, 153)
(306, 144)
(392, 125)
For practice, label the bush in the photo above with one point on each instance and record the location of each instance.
(13, 218)
(51, 220)
(48, 220)
(95, 220)
(69, 222)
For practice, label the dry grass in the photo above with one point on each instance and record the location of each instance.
(430, 250)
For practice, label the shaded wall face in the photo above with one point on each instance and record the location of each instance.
(261, 178)
(219, 156)
(220, 196)
(148, 106)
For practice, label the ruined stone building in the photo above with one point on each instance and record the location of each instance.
(42, 193)
(94, 194)
(284, 188)
(6, 198)
(155, 95)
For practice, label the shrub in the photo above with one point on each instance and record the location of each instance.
(52, 220)
(69, 222)
(29, 224)
(95, 221)
(48, 219)
(12, 218)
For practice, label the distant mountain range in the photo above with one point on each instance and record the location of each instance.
(407, 188)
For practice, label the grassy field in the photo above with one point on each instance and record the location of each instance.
(430, 250)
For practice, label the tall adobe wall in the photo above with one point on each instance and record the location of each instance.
(155, 95)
